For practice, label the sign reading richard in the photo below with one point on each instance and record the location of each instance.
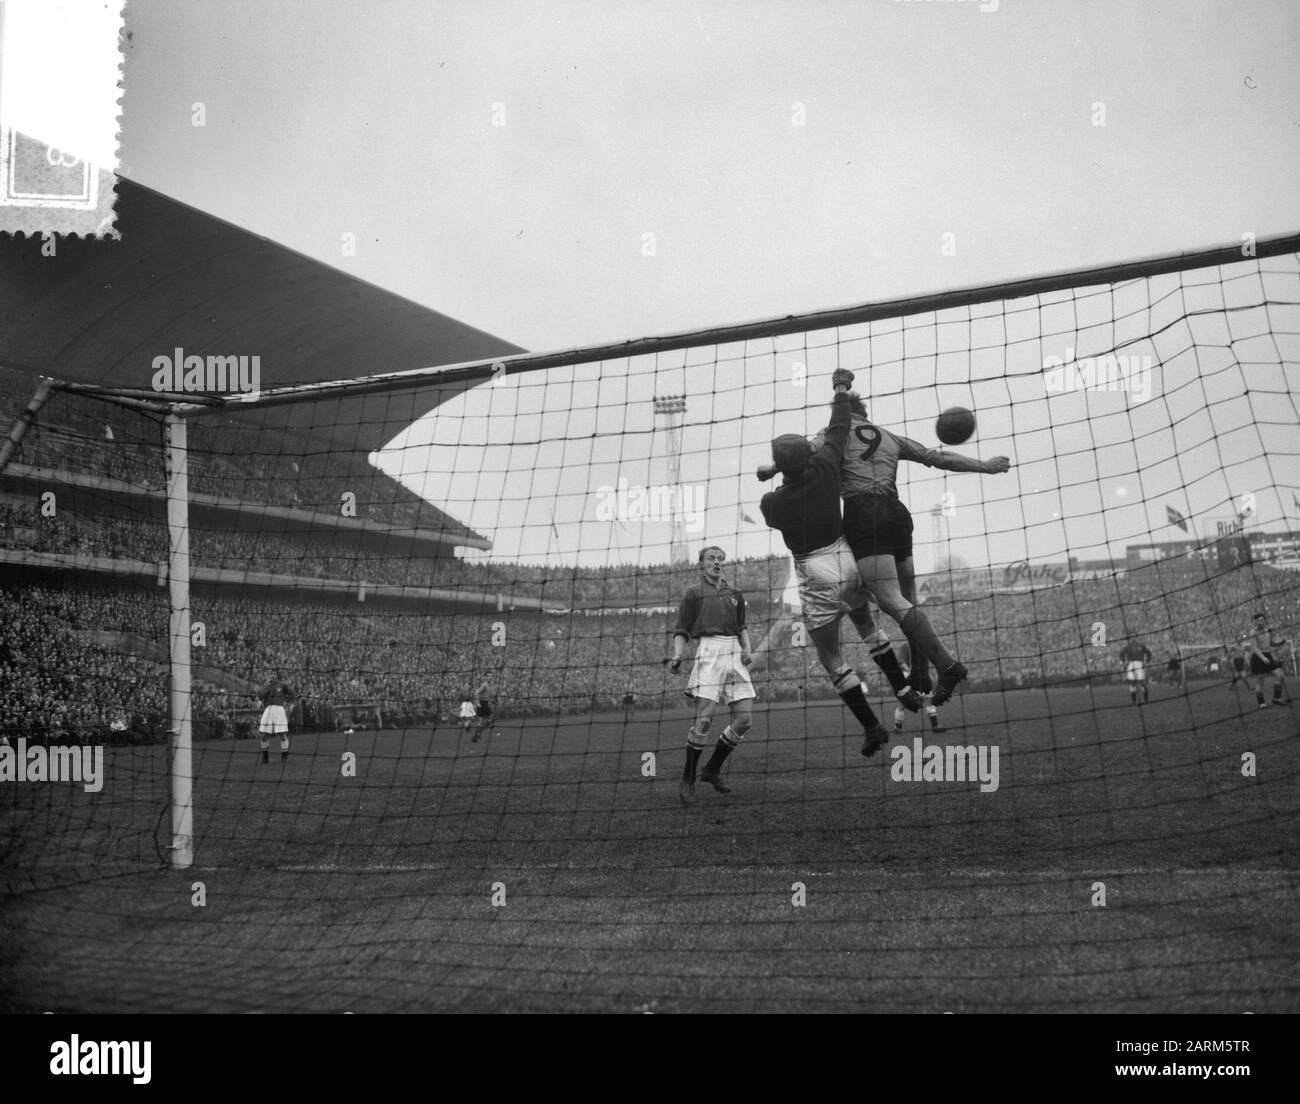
(1012, 578)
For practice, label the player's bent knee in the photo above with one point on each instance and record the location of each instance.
(877, 641)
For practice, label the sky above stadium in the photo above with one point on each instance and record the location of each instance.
(564, 173)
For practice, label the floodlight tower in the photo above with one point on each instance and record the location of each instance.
(672, 408)
(939, 535)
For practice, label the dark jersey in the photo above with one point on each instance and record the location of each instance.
(707, 610)
(806, 509)
(276, 693)
(1135, 653)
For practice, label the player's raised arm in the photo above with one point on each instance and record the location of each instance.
(950, 461)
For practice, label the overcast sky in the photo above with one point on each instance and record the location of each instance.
(504, 163)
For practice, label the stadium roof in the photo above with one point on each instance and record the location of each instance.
(100, 311)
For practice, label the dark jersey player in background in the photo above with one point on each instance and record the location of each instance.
(805, 509)
(275, 717)
(482, 711)
(1264, 648)
(712, 613)
(1136, 657)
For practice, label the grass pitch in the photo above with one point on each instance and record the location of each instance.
(544, 869)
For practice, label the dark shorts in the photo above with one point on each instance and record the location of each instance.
(877, 525)
(484, 710)
(1238, 663)
(1263, 663)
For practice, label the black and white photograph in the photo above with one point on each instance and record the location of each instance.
(654, 507)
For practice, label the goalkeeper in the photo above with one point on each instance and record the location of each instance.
(806, 511)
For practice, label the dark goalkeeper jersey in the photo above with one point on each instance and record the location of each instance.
(1135, 653)
(276, 693)
(707, 610)
(806, 509)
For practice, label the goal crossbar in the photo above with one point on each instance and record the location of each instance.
(471, 371)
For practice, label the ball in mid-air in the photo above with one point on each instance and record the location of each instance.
(955, 425)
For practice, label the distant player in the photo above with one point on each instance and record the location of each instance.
(1174, 671)
(713, 614)
(1237, 664)
(918, 680)
(1136, 657)
(468, 714)
(805, 509)
(629, 706)
(878, 528)
(275, 719)
(482, 710)
(1264, 647)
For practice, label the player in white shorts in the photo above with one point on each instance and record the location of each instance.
(275, 718)
(806, 511)
(713, 614)
(468, 714)
(1135, 656)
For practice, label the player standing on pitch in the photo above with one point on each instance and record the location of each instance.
(713, 613)
(274, 720)
(1263, 662)
(1237, 665)
(805, 509)
(482, 711)
(1135, 656)
(468, 712)
(878, 528)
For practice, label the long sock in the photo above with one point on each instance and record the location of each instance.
(1277, 691)
(887, 661)
(1259, 696)
(849, 689)
(726, 744)
(692, 759)
(916, 625)
(919, 666)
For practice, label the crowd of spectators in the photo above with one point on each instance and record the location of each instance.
(408, 664)
(413, 666)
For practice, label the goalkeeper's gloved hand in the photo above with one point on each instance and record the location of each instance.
(842, 380)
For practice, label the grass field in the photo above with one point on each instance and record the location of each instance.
(375, 892)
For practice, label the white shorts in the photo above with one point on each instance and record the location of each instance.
(1135, 671)
(718, 675)
(274, 719)
(468, 711)
(830, 584)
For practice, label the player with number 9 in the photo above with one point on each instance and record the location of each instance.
(878, 528)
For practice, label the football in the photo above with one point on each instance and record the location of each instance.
(955, 425)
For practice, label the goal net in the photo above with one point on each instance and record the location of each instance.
(476, 803)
